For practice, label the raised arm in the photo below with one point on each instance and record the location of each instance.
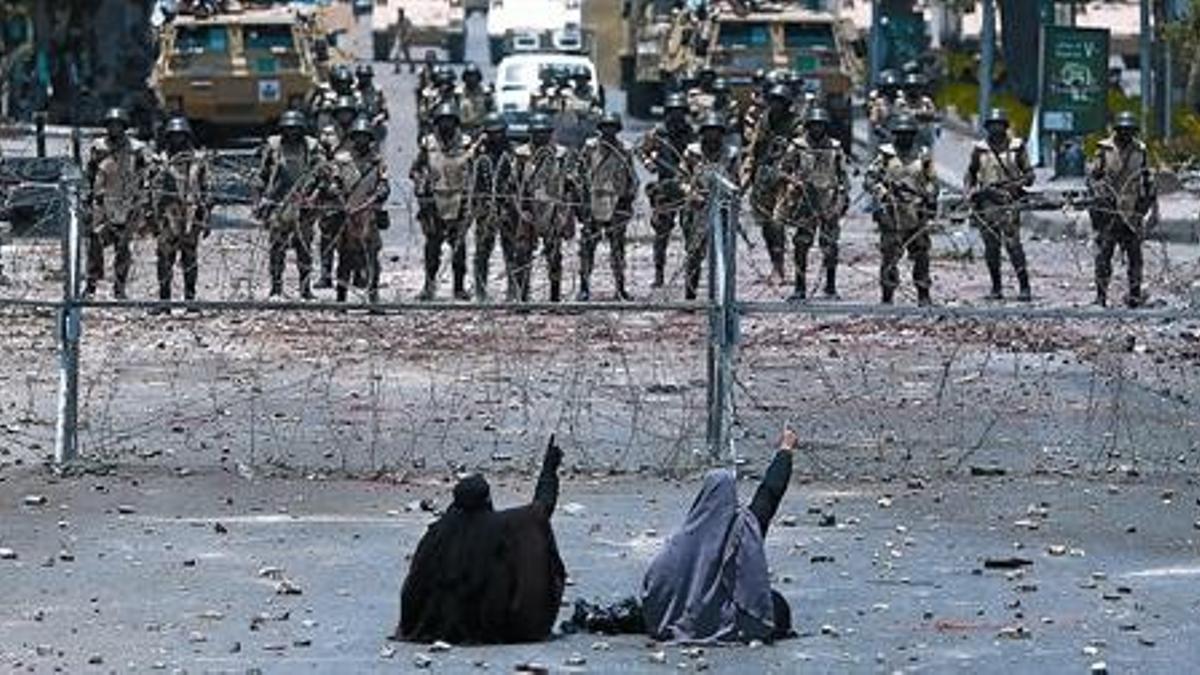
(775, 483)
(546, 493)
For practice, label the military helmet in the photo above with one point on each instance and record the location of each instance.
(471, 70)
(292, 119)
(817, 115)
(1125, 120)
(914, 80)
(539, 122)
(904, 123)
(888, 78)
(675, 101)
(116, 115)
(712, 120)
(340, 73)
(362, 127)
(706, 72)
(611, 119)
(759, 76)
(178, 125)
(780, 91)
(446, 109)
(364, 71)
(494, 121)
(444, 75)
(721, 84)
(996, 116)
(345, 102)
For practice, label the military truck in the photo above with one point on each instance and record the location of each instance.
(238, 69)
(657, 53)
(808, 43)
(432, 23)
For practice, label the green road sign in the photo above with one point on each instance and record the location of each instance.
(1074, 79)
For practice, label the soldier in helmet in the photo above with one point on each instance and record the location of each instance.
(661, 152)
(475, 101)
(610, 183)
(881, 105)
(756, 103)
(997, 175)
(815, 198)
(902, 181)
(115, 175)
(708, 154)
(494, 204)
(768, 143)
(440, 174)
(545, 188)
(428, 75)
(334, 138)
(361, 182)
(702, 97)
(371, 101)
(325, 101)
(443, 91)
(1121, 180)
(913, 100)
(287, 177)
(181, 201)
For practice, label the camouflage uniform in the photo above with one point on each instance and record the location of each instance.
(661, 152)
(287, 173)
(181, 203)
(494, 208)
(440, 174)
(905, 186)
(699, 160)
(609, 182)
(475, 101)
(997, 175)
(768, 143)
(545, 187)
(1122, 183)
(361, 182)
(115, 174)
(334, 138)
(814, 200)
(325, 99)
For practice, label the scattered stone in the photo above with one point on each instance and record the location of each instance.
(440, 646)
(1146, 641)
(1027, 523)
(884, 502)
(302, 642)
(66, 556)
(788, 521)
(422, 661)
(601, 646)
(573, 509)
(7, 554)
(1017, 632)
(821, 559)
(235, 648)
(274, 647)
(533, 668)
(95, 660)
(220, 529)
(1099, 668)
(1089, 650)
(692, 652)
(576, 660)
(35, 500)
(1057, 550)
(1010, 563)
(658, 657)
(126, 509)
(287, 587)
(827, 520)
(43, 650)
(988, 471)
(212, 615)
(387, 652)
(829, 630)
(196, 637)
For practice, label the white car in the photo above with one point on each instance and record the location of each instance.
(519, 77)
(515, 26)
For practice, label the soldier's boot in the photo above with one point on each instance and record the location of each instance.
(1101, 295)
(776, 255)
(343, 291)
(1026, 293)
(276, 263)
(481, 281)
(164, 295)
(1135, 298)
(997, 292)
(433, 261)
(555, 289)
(692, 283)
(119, 291)
(800, 287)
(325, 280)
(616, 243)
(888, 295)
(305, 285)
(831, 281)
(190, 277)
(660, 262)
(923, 297)
(587, 261)
(458, 264)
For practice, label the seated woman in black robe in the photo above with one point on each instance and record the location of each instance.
(710, 583)
(482, 576)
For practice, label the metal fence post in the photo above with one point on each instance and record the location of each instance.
(66, 445)
(722, 313)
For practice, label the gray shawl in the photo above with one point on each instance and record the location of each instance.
(710, 582)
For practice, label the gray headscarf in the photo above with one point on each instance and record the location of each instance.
(710, 581)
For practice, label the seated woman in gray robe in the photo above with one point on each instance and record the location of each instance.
(710, 583)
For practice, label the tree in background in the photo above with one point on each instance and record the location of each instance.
(1184, 36)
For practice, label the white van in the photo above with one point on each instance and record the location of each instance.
(516, 26)
(518, 77)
